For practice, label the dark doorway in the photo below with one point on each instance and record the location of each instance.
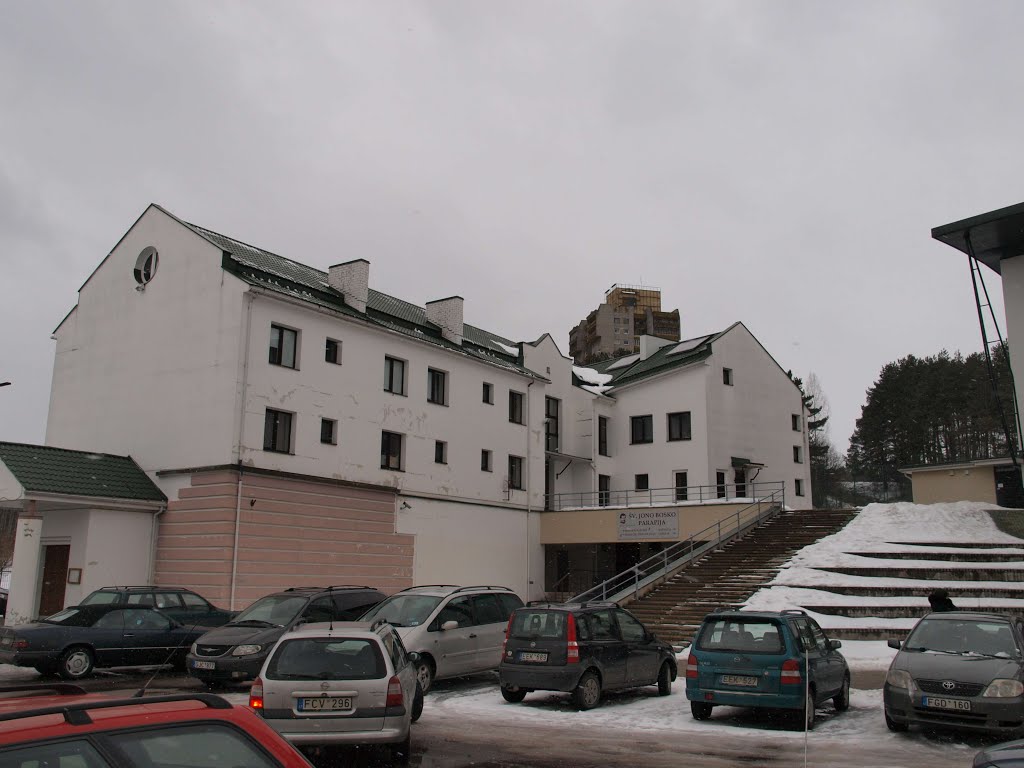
(55, 576)
(1009, 491)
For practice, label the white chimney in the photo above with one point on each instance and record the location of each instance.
(447, 313)
(651, 344)
(352, 281)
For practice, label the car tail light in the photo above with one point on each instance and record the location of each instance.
(508, 631)
(21, 644)
(790, 672)
(256, 695)
(572, 648)
(395, 697)
(691, 667)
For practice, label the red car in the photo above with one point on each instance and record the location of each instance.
(61, 724)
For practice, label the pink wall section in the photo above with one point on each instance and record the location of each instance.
(293, 533)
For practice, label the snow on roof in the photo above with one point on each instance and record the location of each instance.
(628, 360)
(686, 346)
(505, 348)
(590, 376)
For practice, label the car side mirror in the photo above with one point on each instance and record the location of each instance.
(835, 645)
(895, 644)
(450, 624)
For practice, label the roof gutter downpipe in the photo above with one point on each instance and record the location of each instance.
(243, 392)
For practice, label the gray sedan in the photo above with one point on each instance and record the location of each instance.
(958, 669)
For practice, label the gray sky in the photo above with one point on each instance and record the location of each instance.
(777, 163)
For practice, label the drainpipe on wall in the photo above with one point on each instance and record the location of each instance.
(234, 547)
(529, 489)
(238, 452)
(152, 544)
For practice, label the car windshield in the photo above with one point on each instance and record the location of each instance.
(964, 637)
(100, 598)
(335, 658)
(273, 610)
(740, 634)
(404, 610)
(63, 617)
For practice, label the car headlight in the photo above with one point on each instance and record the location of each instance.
(192, 650)
(246, 650)
(1004, 689)
(899, 678)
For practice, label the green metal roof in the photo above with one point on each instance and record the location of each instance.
(42, 469)
(660, 361)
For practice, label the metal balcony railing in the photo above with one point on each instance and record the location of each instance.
(660, 497)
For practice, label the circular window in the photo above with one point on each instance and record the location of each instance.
(145, 265)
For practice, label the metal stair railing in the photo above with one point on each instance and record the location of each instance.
(673, 558)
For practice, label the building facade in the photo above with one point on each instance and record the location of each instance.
(616, 326)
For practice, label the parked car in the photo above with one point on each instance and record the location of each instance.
(582, 648)
(454, 630)
(237, 650)
(184, 729)
(959, 669)
(340, 683)
(180, 604)
(1009, 754)
(765, 659)
(75, 641)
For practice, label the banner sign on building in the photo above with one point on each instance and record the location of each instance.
(649, 524)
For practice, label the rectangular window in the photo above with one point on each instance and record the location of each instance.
(277, 431)
(283, 343)
(641, 482)
(329, 431)
(681, 487)
(551, 423)
(798, 454)
(394, 376)
(437, 386)
(602, 435)
(604, 487)
(485, 461)
(641, 429)
(727, 376)
(440, 452)
(720, 484)
(390, 450)
(488, 393)
(796, 422)
(679, 426)
(799, 487)
(332, 352)
(515, 473)
(515, 407)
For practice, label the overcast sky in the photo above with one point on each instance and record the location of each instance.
(776, 163)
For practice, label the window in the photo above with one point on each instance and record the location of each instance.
(205, 745)
(394, 376)
(681, 485)
(641, 483)
(632, 631)
(604, 486)
(277, 431)
(283, 343)
(679, 426)
(602, 435)
(485, 461)
(798, 454)
(796, 422)
(551, 423)
(332, 352)
(642, 429)
(727, 376)
(515, 473)
(458, 609)
(515, 407)
(328, 431)
(440, 452)
(390, 450)
(488, 393)
(799, 487)
(437, 386)
(720, 484)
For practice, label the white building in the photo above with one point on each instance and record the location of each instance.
(309, 430)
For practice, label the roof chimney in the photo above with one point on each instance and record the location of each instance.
(651, 344)
(447, 313)
(352, 281)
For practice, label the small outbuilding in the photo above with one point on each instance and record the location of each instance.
(995, 481)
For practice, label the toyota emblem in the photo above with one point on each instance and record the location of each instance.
(325, 686)
(533, 644)
(949, 685)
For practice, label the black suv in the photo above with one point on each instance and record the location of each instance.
(237, 650)
(582, 648)
(182, 605)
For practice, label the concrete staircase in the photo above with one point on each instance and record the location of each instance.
(726, 577)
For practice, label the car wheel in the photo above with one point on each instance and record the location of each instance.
(402, 751)
(804, 718)
(76, 662)
(700, 710)
(425, 674)
(842, 699)
(895, 727)
(665, 679)
(513, 695)
(587, 693)
(417, 703)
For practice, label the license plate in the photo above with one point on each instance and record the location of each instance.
(532, 656)
(324, 704)
(957, 704)
(738, 680)
(204, 664)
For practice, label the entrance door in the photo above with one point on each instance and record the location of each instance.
(55, 576)
(1008, 488)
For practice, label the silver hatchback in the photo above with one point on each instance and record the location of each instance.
(341, 683)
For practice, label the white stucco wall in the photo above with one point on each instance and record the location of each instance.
(1012, 271)
(106, 560)
(10, 488)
